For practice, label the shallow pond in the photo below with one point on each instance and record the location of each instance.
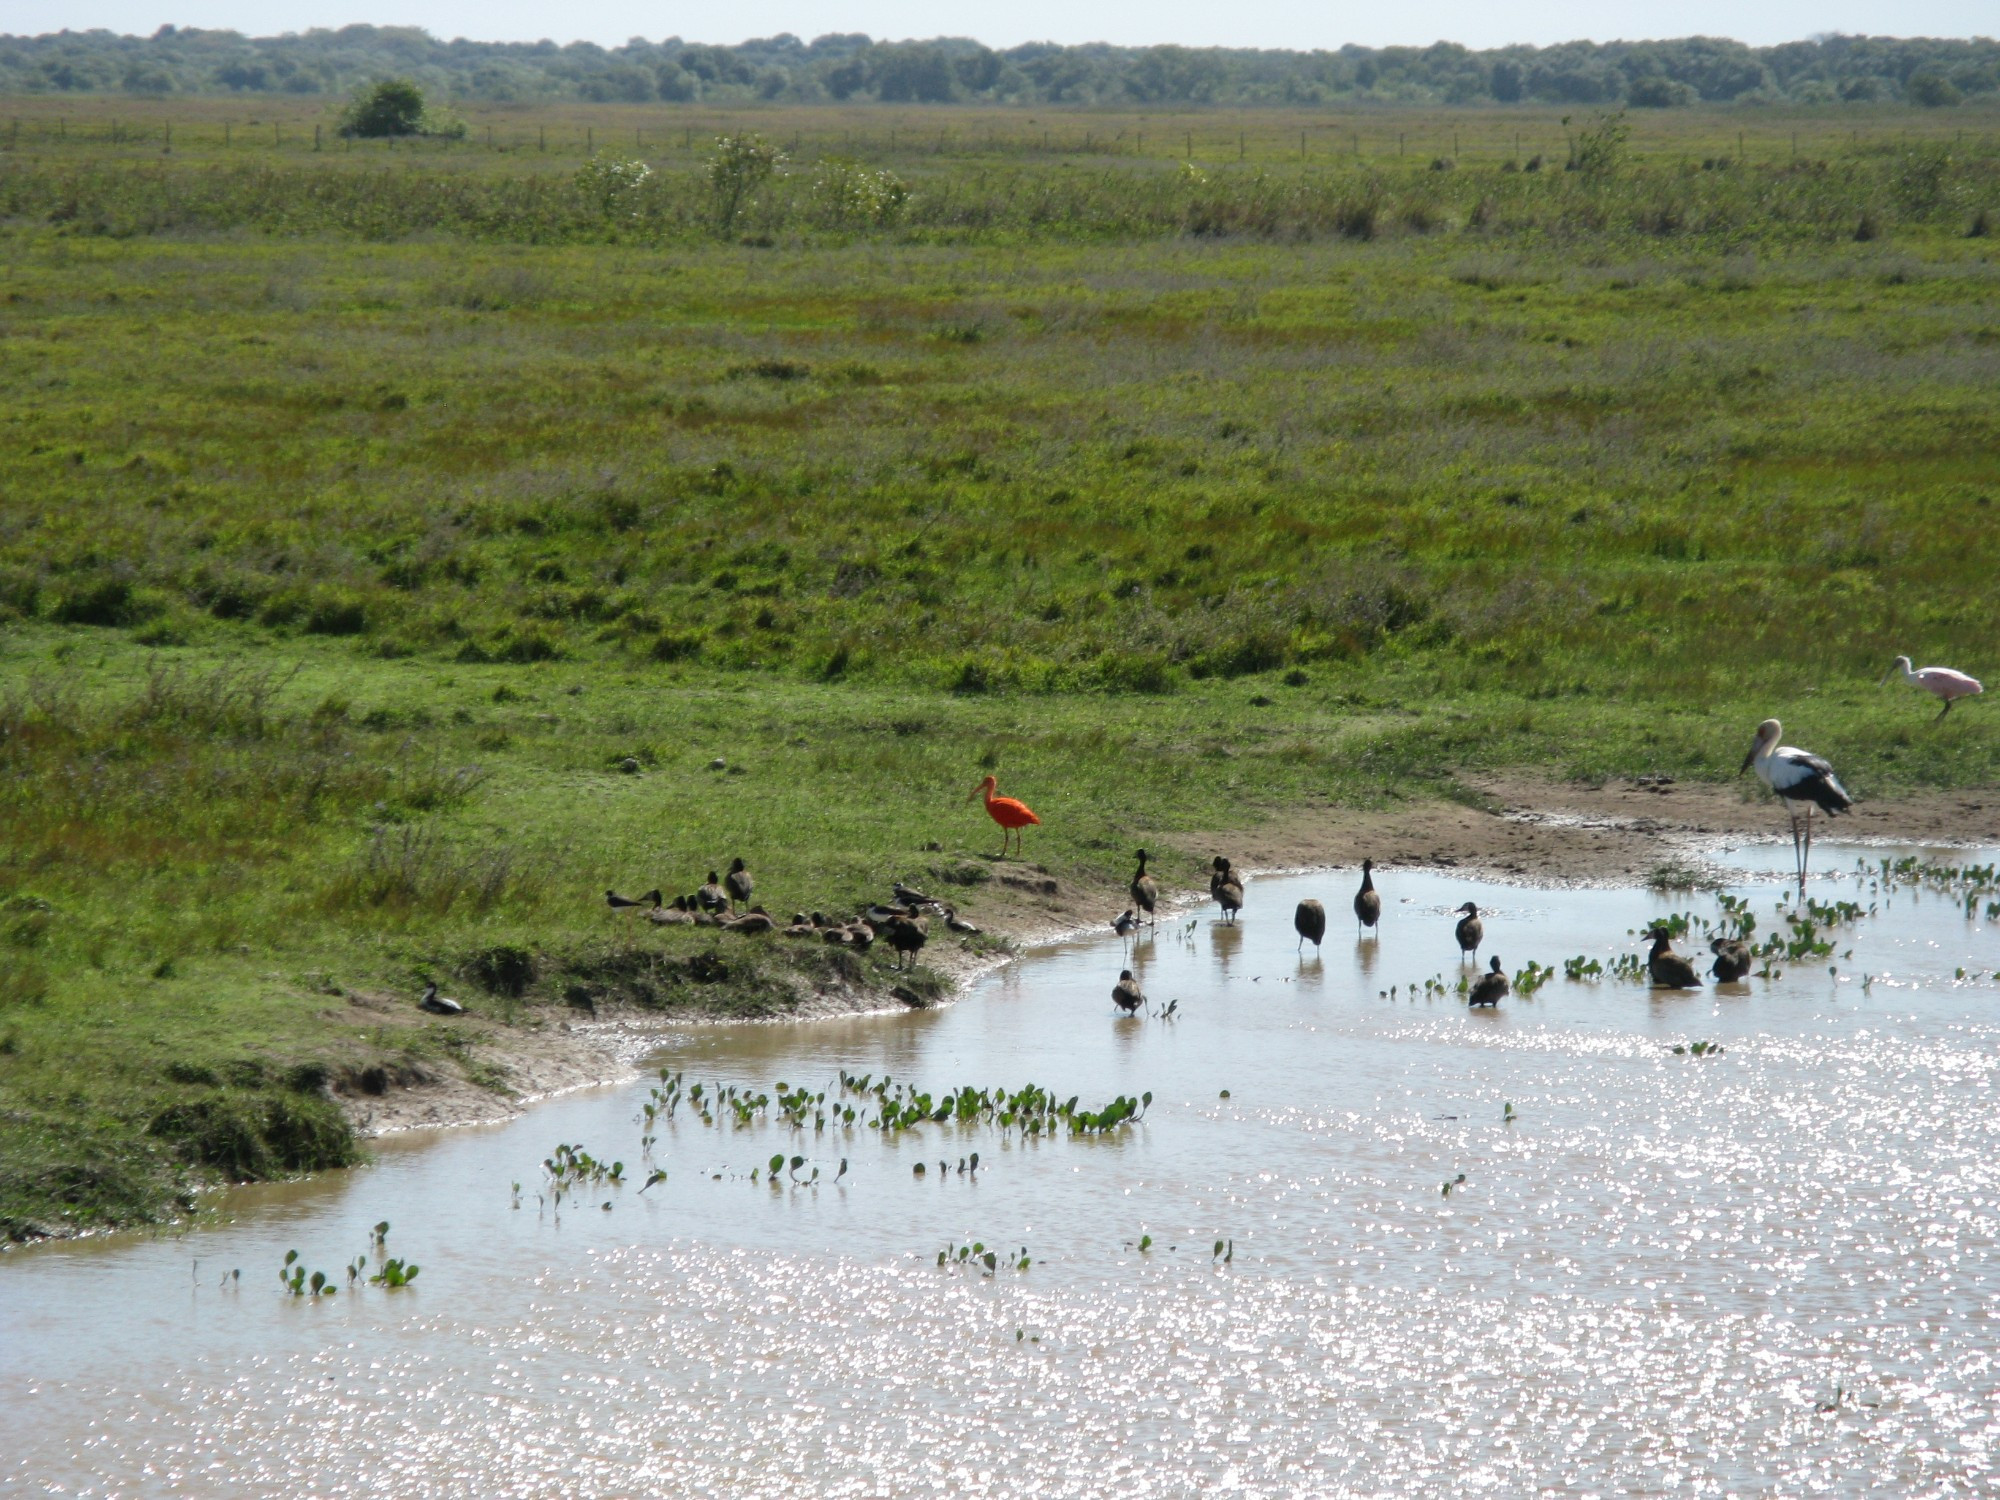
(1768, 1271)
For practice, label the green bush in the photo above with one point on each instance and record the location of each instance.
(392, 107)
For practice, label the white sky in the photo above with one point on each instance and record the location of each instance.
(1243, 23)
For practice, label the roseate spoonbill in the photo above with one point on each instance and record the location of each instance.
(439, 1005)
(1010, 813)
(1732, 958)
(1145, 891)
(1310, 922)
(712, 897)
(1126, 994)
(1940, 682)
(1368, 900)
(1226, 886)
(619, 903)
(737, 883)
(1489, 988)
(1669, 970)
(1797, 776)
(1470, 930)
(907, 935)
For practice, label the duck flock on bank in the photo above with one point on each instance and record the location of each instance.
(1804, 782)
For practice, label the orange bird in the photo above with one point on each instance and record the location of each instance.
(1010, 813)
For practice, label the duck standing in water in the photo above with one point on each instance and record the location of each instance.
(1226, 886)
(1732, 958)
(1368, 900)
(1126, 994)
(1310, 922)
(1669, 970)
(1489, 988)
(1471, 932)
(1145, 892)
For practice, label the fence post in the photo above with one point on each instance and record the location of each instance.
(315, 137)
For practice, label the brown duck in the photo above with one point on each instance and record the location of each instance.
(1226, 886)
(1126, 994)
(1668, 968)
(1368, 900)
(1489, 988)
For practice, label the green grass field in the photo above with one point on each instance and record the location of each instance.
(351, 549)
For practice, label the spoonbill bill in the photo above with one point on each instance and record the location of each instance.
(1940, 682)
(1797, 776)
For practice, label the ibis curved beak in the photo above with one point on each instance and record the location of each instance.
(973, 795)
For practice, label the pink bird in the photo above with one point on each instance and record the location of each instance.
(1939, 682)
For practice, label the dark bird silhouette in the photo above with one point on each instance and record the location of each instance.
(1126, 994)
(907, 935)
(712, 897)
(1125, 923)
(1471, 931)
(1227, 888)
(1489, 988)
(1368, 900)
(1145, 891)
(1668, 968)
(1310, 920)
(439, 1005)
(910, 896)
(1732, 958)
(737, 884)
(752, 921)
(619, 903)
(958, 924)
(860, 936)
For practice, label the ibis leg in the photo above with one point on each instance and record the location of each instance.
(1943, 711)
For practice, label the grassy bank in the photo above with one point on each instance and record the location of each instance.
(368, 607)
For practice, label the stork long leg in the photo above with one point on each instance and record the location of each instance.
(1798, 858)
(1943, 711)
(1807, 865)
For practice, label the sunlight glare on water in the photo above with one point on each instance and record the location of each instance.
(1769, 1271)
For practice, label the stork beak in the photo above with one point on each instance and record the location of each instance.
(1887, 675)
(1747, 760)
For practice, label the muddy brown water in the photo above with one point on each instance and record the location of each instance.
(1768, 1272)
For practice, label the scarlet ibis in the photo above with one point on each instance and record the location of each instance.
(1126, 994)
(1145, 891)
(1796, 776)
(737, 883)
(1940, 682)
(1489, 988)
(619, 903)
(1227, 888)
(1010, 813)
(1669, 970)
(1471, 931)
(1732, 958)
(1368, 900)
(1310, 921)
(439, 1005)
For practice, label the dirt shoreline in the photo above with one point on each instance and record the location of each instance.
(1523, 831)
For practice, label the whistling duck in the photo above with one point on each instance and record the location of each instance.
(439, 1005)
(1668, 968)
(1310, 920)
(1368, 900)
(1732, 958)
(1489, 988)
(1145, 891)
(1227, 888)
(1470, 930)
(1126, 994)
(619, 903)
(737, 884)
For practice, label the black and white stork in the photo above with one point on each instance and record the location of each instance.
(1798, 776)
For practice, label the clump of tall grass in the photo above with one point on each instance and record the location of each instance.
(415, 871)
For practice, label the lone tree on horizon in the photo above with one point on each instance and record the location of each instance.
(394, 106)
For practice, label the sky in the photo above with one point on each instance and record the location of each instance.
(1242, 23)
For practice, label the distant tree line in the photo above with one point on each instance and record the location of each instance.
(853, 68)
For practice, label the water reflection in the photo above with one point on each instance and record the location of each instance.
(1815, 1208)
